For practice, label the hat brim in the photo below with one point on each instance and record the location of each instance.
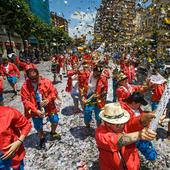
(121, 120)
(157, 79)
(125, 78)
(158, 82)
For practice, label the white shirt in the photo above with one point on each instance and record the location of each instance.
(137, 113)
(92, 82)
(74, 84)
(7, 68)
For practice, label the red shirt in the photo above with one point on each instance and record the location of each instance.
(83, 77)
(106, 73)
(157, 92)
(46, 89)
(87, 58)
(12, 70)
(25, 65)
(70, 73)
(101, 91)
(1, 70)
(129, 71)
(109, 157)
(1, 86)
(61, 60)
(124, 92)
(74, 59)
(13, 125)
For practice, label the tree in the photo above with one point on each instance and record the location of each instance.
(16, 17)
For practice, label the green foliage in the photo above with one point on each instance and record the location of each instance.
(16, 17)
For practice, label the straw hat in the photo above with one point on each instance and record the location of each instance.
(121, 77)
(157, 79)
(114, 114)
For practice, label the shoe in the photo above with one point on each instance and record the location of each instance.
(15, 93)
(55, 136)
(41, 144)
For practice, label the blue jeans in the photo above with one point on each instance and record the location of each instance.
(114, 83)
(7, 166)
(154, 105)
(1, 97)
(12, 79)
(38, 122)
(89, 108)
(88, 113)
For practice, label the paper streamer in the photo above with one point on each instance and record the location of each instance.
(161, 106)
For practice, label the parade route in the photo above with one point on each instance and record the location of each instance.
(76, 143)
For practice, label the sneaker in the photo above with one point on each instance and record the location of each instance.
(56, 136)
(82, 165)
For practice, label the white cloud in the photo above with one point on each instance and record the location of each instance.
(80, 15)
(81, 28)
(85, 24)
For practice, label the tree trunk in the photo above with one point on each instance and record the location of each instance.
(9, 37)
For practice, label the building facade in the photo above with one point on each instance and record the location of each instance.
(9, 42)
(114, 22)
(41, 9)
(59, 22)
(152, 26)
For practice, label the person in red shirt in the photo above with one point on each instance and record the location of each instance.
(95, 97)
(83, 77)
(61, 61)
(68, 62)
(14, 127)
(157, 84)
(112, 140)
(124, 89)
(25, 65)
(74, 59)
(38, 96)
(72, 86)
(11, 71)
(129, 70)
(106, 73)
(58, 61)
(106, 59)
(87, 58)
(133, 105)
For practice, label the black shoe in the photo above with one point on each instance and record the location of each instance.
(41, 144)
(55, 136)
(15, 93)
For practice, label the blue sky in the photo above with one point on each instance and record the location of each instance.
(79, 13)
(143, 3)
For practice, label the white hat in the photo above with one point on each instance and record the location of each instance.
(157, 79)
(114, 114)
